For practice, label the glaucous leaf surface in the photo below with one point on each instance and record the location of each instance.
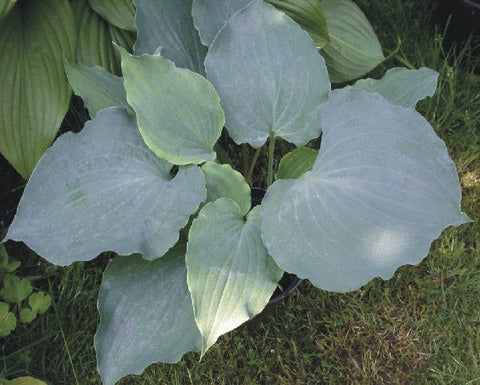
(223, 181)
(35, 95)
(381, 190)
(231, 277)
(296, 163)
(169, 24)
(178, 111)
(95, 37)
(402, 86)
(98, 88)
(211, 15)
(103, 189)
(354, 49)
(309, 15)
(146, 315)
(269, 76)
(120, 13)
(5, 7)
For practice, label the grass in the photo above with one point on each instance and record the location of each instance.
(420, 327)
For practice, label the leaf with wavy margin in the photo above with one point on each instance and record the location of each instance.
(279, 89)
(103, 189)
(381, 190)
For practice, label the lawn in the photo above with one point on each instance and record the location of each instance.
(420, 327)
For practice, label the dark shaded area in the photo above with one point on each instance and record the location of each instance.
(11, 189)
(460, 19)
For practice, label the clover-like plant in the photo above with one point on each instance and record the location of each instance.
(194, 259)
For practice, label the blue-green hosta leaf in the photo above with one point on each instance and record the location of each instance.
(382, 189)
(281, 86)
(296, 163)
(103, 189)
(309, 15)
(35, 93)
(354, 49)
(224, 182)
(98, 88)
(211, 15)
(402, 86)
(169, 24)
(146, 315)
(120, 13)
(5, 7)
(95, 36)
(230, 275)
(178, 111)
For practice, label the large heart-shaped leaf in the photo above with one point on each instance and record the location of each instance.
(382, 189)
(309, 15)
(270, 77)
(103, 189)
(211, 15)
(354, 49)
(402, 86)
(98, 88)
(120, 13)
(230, 275)
(95, 36)
(34, 38)
(169, 24)
(146, 315)
(183, 119)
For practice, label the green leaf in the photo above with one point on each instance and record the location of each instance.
(354, 49)
(23, 381)
(120, 13)
(98, 88)
(230, 275)
(5, 7)
(224, 182)
(103, 189)
(95, 36)
(296, 163)
(183, 119)
(282, 85)
(8, 321)
(27, 315)
(39, 302)
(15, 290)
(402, 86)
(146, 315)
(381, 190)
(35, 92)
(211, 15)
(309, 15)
(167, 24)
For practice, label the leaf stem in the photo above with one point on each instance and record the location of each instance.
(252, 165)
(271, 153)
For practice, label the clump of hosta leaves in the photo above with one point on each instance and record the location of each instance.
(143, 178)
(19, 301)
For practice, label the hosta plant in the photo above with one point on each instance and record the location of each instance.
(143, 179)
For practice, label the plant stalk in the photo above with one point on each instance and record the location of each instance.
(271, 153)
(252, 165)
